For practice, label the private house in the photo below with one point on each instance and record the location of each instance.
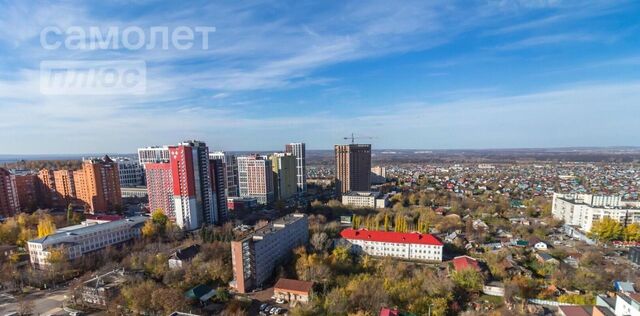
(624, 287)
(181, 256)
(465, 262)
(538, 244)
(567, 310)
(628, 304)
(200, 293)
(6, 251)
(293, 290)
(573, 259)
(100, 290)
(544, 258)
(494, 288)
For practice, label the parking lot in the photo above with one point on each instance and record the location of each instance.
(263, 299)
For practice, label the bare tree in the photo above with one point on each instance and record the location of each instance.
(319, 241)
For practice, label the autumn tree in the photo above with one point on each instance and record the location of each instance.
(150, 229)
(46, 226)
(632, 232)
(469, 279)
(607, 229)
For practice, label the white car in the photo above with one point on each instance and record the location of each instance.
(280, 300)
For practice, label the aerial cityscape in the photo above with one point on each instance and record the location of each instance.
(347, 158)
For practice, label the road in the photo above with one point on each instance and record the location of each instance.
(44, 303)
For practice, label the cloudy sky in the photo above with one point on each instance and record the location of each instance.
(414, 74)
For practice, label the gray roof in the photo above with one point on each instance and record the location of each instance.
(66, 234)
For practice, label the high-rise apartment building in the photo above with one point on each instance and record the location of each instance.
(9, 203)
(48, 194)
(98, 185)
(193, 198)
(256, 255)
(27, 188)
(378, 175)
(160, 188)
(218, 172)
(285, 182)
(182, 177)
(130, 171)
(65, 185)
(153, 154)
(231, 171)
(300, 152)
(353, 167)
(255, 178)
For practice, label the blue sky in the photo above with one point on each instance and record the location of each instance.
(415, 74)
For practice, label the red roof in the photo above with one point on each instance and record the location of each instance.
(290, 285)
(389, 312)
(465, 262)
(382, 236)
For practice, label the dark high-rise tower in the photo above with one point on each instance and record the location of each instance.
(300, 152)
(353, 167)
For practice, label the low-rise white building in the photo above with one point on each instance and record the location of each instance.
(582, 210)
(627, 304)
(91, 235)
(365, 199)
(412, 246)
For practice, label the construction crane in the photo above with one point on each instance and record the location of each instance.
(353, 138)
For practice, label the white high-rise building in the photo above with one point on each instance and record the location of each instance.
(130, 171)
(255, 178)
(300, 152)
(231, 171)
(153, 154)
(583, 210)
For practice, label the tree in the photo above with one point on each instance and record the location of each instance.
(469, 279)
(46, 226)
(158, 217)
(69, 214)
(168, 300)
(607, 229)
(336, 302)
(25, 306)
(632, 232)
(319, 241)
(386, 222)
(149, 230)
(577, 299)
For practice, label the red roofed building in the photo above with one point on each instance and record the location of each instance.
(413, 246)
(293, 290)
(389, 312)
(465, 262)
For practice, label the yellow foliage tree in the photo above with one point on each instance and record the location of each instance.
(607, 229)
(632, 232)
(46, 227)
(149, 229)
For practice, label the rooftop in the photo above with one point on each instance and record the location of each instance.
(66, 234)
(465, 262)
(293, 285)
(274, 226)
(394, 237)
